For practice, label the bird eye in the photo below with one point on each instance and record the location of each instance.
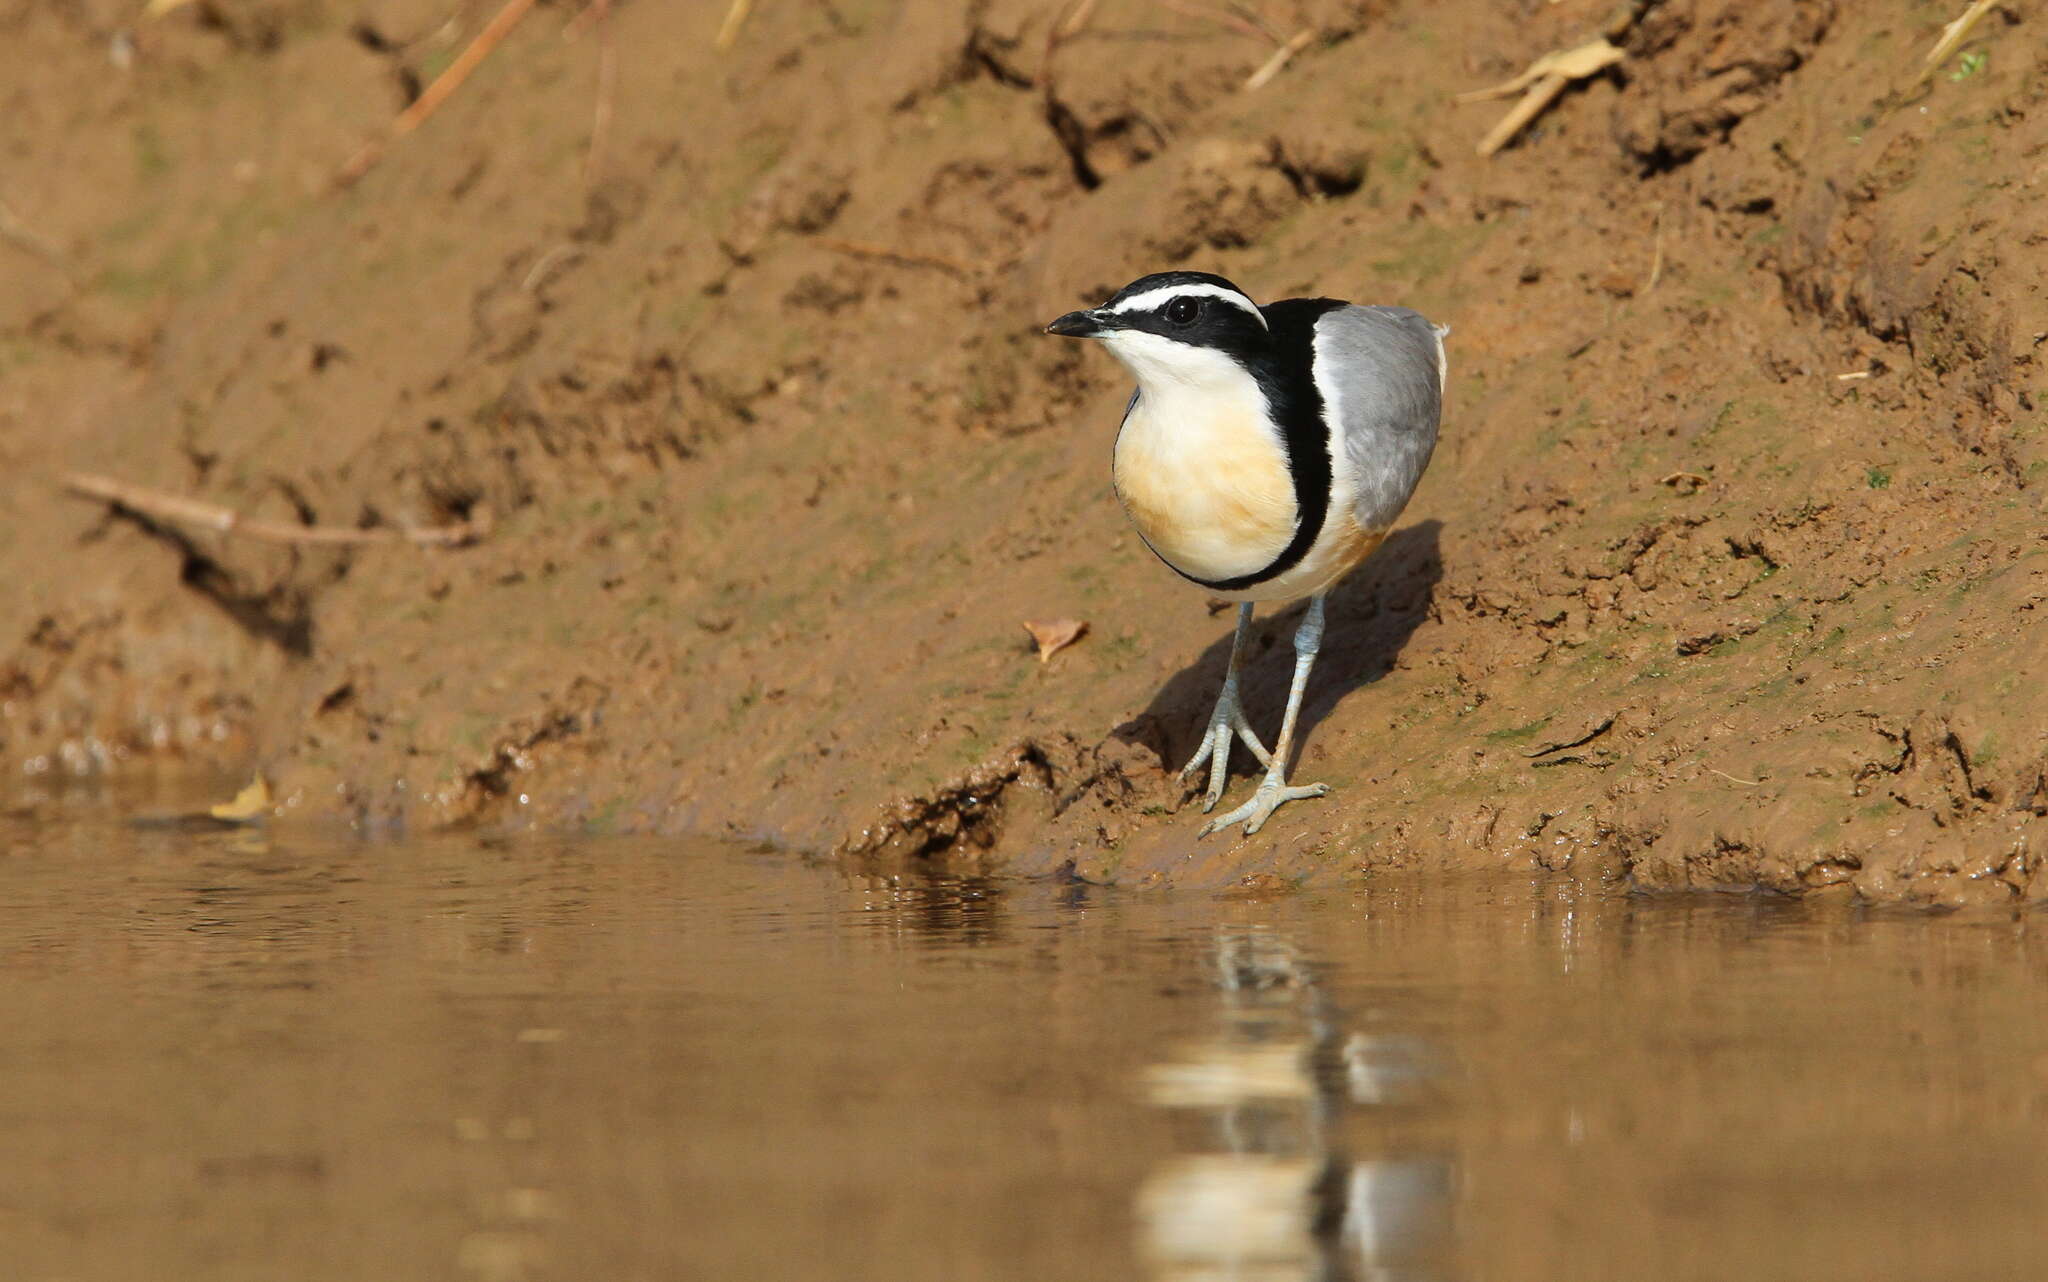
(1182, 311)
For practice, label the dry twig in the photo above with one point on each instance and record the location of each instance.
(1747, 783)
(176, 507)
(546, 263)
(607, 86)
(1656, 253)
(1281, 57)
(1543, 80)
(1605, 724)
(1532, 105)
(446, 83)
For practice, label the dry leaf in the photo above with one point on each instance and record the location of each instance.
(1281, 57)
(1054, 635)
(248, 804)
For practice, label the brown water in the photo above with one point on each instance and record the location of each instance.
(231, 1057)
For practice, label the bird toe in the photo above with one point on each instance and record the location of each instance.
(1271, 796)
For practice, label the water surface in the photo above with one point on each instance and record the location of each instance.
(227, 1056)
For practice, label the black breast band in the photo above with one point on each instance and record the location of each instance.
(1285, 373)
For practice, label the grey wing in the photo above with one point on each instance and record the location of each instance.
(1381, 373)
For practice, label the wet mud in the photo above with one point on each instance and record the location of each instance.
(1725, 574)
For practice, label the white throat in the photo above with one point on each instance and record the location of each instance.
(1167, 370)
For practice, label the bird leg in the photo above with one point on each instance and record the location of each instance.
(1274, 791)
(1226, 721)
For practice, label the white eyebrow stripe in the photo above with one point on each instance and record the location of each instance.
(1152, 298)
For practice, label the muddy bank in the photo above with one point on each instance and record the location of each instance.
(1726, 572)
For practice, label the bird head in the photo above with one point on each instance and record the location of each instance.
(1173, 326)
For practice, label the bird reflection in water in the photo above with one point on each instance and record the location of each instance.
(1297, 1172)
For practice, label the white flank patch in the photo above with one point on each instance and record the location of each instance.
(1343, 473)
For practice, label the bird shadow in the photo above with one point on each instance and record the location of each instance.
(1370, 616)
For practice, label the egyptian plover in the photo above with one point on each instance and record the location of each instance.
(1265, 454)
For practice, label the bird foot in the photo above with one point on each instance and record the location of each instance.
(1227, 721)
(1272, 794)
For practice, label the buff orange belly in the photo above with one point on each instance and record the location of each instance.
(1209, 492)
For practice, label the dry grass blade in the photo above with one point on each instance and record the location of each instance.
(1054, 635)
(1250, 14)
(1076, 21)
(910, 257)
(546, 263)
(16, 232)
(735, 18)
(593, 13)
(1656, 253)
(446, 83)
(1281, 57)
(1952, 36)
(601, 113)
(190, 511)
(1747, 783)
(1228, 21)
